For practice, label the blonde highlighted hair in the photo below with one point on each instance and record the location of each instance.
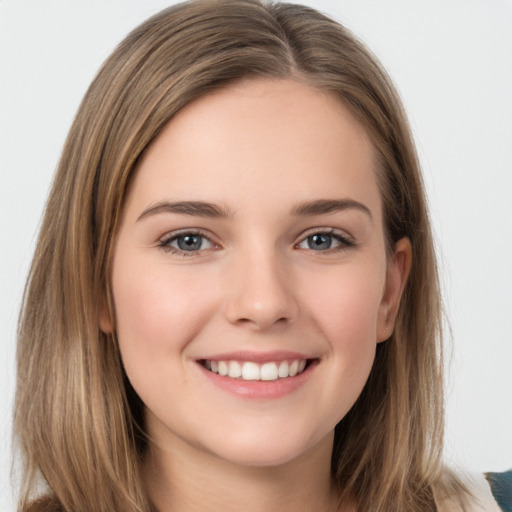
(79, 424)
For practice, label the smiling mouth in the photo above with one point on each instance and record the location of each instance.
(252, 371)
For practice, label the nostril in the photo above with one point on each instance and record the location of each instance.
(260, 298)
(261, 320)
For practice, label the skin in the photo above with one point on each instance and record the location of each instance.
(257, 150)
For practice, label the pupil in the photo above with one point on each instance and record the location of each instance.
(189, 242)
(319, 242)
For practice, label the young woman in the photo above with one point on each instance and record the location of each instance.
(234, 300)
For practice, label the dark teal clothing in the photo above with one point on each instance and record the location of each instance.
(501, 487)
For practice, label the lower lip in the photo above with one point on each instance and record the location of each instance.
(259, 389)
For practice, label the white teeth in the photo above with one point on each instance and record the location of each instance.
(269, 371)
(235, 370)
(284, 369)
(253, 371)
(223, 368)
(250, 371)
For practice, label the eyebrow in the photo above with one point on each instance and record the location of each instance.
(323, 206)
(195, 208)
(211, 210)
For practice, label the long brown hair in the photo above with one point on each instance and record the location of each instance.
(79, 425)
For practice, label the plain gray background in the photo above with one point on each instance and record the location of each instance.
(452, 62)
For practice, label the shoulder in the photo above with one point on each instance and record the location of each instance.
(488, 492)
(476, 492)
(501, 488)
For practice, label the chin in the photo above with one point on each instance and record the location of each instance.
(270, 451)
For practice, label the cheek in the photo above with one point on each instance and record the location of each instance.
(157, 312)
(346, 304)
(344, 307)
(342, 304)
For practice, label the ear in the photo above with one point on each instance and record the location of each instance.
(105, 317)
(399, 266)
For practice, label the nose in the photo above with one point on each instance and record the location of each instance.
(260, 292)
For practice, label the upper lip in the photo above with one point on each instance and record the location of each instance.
(258, 357)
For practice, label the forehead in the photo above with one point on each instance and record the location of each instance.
(277, 138)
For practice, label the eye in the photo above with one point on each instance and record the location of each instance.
(187, 243)
(324, 241)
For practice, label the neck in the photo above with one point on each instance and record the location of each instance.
(191, 480)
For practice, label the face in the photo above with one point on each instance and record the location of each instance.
(250, 277)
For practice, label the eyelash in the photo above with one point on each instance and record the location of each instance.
(344, 241)
(165, 242)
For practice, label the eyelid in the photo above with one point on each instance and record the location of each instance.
(164, 241)
(346, 240)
